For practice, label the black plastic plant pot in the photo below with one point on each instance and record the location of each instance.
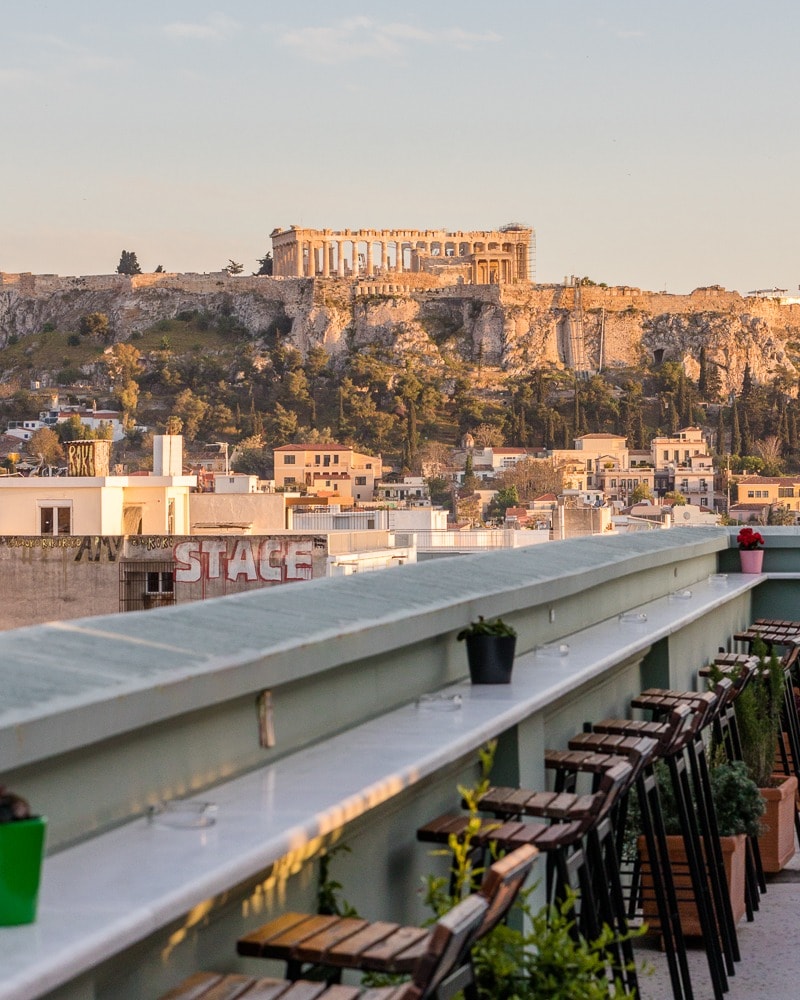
(490, 658)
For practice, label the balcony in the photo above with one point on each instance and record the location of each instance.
(331, 712)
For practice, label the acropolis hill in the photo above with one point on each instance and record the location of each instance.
(514, 326)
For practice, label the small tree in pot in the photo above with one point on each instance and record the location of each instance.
(490, 650)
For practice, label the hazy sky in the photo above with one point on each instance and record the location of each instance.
(648, 143)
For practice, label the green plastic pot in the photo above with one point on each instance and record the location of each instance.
(21, 853)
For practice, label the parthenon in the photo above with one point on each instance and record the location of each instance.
(492, 257)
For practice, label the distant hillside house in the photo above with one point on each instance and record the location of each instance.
(329, 469)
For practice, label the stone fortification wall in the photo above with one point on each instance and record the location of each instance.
(514, 327)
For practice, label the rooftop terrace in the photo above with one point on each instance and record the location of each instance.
(331, 712)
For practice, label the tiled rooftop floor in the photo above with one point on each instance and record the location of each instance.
(770, 949)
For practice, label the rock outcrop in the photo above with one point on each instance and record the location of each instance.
(513, 327)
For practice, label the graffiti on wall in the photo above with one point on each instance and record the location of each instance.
(92, 548)
(268, 560)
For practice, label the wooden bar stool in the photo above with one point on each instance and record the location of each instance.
(575, 853)
(644, 750)
(706, 706)
(302, 940)
(675, 732)
(436, 959)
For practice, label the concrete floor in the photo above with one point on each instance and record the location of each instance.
(770, 947)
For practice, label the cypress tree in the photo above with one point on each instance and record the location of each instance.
(720, 432)
(736, 434)
(747, 381)
(747, 437)
(702, 378)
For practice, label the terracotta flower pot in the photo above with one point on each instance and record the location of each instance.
(751, 560)
(734, 851)
(776, 843)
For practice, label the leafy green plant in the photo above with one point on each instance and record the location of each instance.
(758, 714)
(549, 958)
(328, 889)
(738, 804)
(483, 626)
(12, 807)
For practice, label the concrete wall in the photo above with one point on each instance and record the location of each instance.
(264, 512)
(72, 576)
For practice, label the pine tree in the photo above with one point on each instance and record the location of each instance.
(128, 264)
(264, 265)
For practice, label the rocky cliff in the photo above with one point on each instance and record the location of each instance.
(515, 328)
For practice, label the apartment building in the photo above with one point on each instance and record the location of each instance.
(329, 469)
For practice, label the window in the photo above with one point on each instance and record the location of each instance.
(785, 491)
(335, 459)
(317, 459)
(55, 518)
(666, 456)
(613, 484)
(160, 582)
(289, 479)
(289, 459)
(361, 480)
(326, 459)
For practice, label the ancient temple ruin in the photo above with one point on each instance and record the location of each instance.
(494, 257)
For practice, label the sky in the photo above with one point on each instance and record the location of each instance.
(648, 143)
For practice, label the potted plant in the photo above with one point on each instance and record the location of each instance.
(21, 852)
(739, 807)
(758, 718)
(750, 552)
(490, 650)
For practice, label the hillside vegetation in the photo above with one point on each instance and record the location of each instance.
(405, 374)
